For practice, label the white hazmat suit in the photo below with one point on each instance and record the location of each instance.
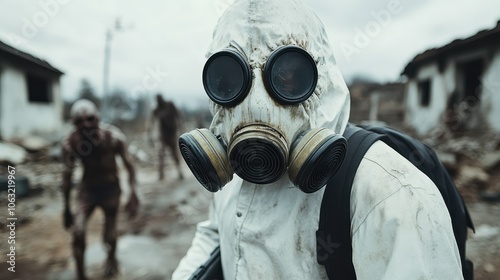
(400, 225)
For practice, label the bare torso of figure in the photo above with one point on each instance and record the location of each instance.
(98, 157)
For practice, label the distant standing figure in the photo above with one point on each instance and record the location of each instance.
(96, 146)
(169, 123)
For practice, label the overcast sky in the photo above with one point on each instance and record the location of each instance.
(162, 44)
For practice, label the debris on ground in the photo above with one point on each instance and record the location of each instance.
(170, 210)
(11, 154)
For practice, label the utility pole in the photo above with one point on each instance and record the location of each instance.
(105, 109)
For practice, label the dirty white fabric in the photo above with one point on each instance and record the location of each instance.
(400, 226)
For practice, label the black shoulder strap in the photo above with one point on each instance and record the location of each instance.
(333, 237)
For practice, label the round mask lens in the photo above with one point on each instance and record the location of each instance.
(291, 75)
(226, 78)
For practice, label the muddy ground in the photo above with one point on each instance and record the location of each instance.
(151, 245)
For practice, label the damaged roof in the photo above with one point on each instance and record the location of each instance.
(481, 38)
(26, 57)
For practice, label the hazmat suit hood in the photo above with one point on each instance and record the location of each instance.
(255, 28)
(260, 135)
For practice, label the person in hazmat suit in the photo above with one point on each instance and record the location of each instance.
(280, 107)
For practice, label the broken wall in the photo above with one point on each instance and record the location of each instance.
(19, 117)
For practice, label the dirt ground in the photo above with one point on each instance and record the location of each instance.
(151, 245)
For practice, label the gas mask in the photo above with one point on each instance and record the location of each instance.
(258, 150)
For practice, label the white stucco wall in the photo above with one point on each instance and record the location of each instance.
(490, 99)
(20, 118)
(425, 118)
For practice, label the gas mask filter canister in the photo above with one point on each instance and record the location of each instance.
(206, 157)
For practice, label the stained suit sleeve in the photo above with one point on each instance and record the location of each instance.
(400, 225)
(204, 242)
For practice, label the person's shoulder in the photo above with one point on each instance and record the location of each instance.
(386, 157)
(115, 133)
(385, 166)
(383, 173)
(170, 105)
(386, 182)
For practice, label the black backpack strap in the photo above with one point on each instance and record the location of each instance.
(333, 238)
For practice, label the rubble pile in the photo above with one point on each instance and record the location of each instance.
(472, 159)
(11, 154)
